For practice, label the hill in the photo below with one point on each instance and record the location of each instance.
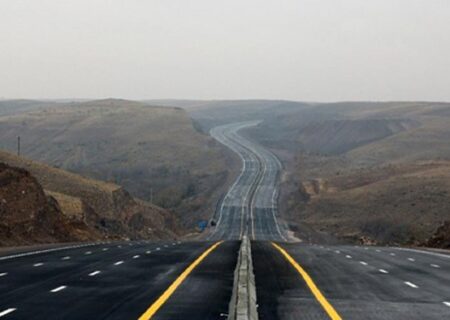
(99, 209)
(28, 216)
(9, 107)
(394, 204)
(154, 152)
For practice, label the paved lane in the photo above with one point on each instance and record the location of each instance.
(359, 283)
(250, 206)
(115, 281)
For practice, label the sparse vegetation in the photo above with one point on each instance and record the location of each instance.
(154, 152)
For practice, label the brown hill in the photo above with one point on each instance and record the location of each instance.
(154, 152)
(107, 209)
(28, 216)
(402, 204)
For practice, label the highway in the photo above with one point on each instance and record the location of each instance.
(250, 206)
(197, 279)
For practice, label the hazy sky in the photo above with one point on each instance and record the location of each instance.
(314, 50)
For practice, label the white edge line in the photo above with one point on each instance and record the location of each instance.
(447, 256)
(31, 253)
(7, 311)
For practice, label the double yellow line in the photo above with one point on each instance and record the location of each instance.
(310, 283)
(166, 295)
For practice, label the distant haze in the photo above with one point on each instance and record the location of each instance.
(310, 50)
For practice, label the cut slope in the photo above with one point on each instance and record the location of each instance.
(27, 215)
(104, 207)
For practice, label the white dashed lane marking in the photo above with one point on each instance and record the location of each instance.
(157, 249)
(363, 263)
(446, 303)
(31, 253)
(392, 254)
(60, 288)
(410, 284)
(435, 266)
(148, 252)
(383, 271)
(105, 249)
(3, 274)
(348, 256)
(65, 258)
(411, 259)
(337, 251)
(118, 263)
(136, 256)
(88, 252)
(92, 274)
(38, 264)
(377, 250)
(7, 311)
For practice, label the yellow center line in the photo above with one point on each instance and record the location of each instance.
(312, 286)
(171, 289)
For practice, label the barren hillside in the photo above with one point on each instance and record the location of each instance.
(395, 204)
(105, 210)
(28, 216)
(154, 152)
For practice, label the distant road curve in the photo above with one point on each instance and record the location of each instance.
(250, 205)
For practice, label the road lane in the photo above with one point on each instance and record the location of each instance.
(250, 206)
(67, 289)
(206, 293)
(356, 290)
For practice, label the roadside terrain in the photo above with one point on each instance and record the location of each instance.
(42, 204)
(28, 215)
(153, 152)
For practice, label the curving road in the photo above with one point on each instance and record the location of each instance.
(250, 206)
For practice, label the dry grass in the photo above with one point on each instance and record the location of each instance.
(149, 150)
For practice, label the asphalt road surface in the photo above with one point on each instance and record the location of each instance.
(250, 206)
(117, 281)
(359, 282)
(194, 280)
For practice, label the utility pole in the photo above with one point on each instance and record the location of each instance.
(18, 146)
(151, 195)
